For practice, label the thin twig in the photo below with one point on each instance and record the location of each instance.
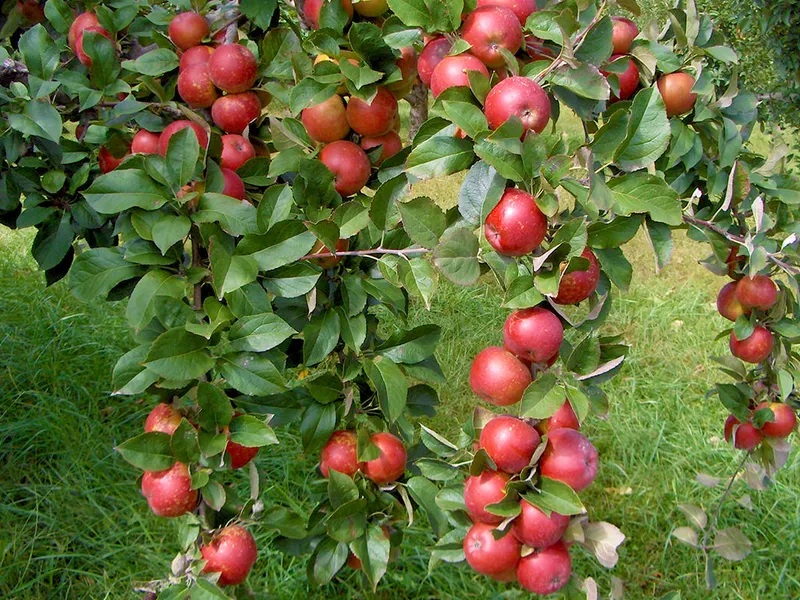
(372, 252)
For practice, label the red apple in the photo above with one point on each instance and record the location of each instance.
(545, 571)
(509, 442)
(785, 419)
(564, 418)
(340, 453)
(521, 8)
(391, 464)
(232, 553)
(498, 377)
(727, 303)
(509, 576)
(169, 493)
(488, 29)
(311, 10)
(623, 34)
(197, 55)
(195, 86)
(534, 334)
(628, 81)
(328, 262)
(81, 22)
(188, 29)
(175, 127)
(391, 142)
(31, 10)
(82, 56)
(145, 142)
(234, 186)
(521, 97)
(371, 8)
(234, 112)
(516, 226)
(374, 118)
(233, 68)
(236, 150)
(577, 286)
(535, 529)
(107, 161)
(745, 435)
(432, 54)
(239, 455)
(452, 72)
(735, 263)
(327, 121)
(676, 91)
(753, 349)
(757, 292)
(535, 48)
(349, 165)
(407, 63)
(163, 418)
(481, 490)
(569, 457)
(487, 555)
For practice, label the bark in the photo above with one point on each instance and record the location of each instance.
(418, 99)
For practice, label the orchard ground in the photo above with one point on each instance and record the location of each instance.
(71, 524)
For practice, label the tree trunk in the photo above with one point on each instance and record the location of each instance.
(418, 99)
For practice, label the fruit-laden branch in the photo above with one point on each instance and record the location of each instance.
(12, 71)
(739, 240)
(372, 252)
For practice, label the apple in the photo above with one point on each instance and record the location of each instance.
(481, 490)
(545, 571)
(516, 226)
(340, 454)
(196, 55)
(432, 54)
(676, 91)
(510, 442)
(82, 56)
(195, 86)
(521, 8)
(81, 22)
(391, 464)
(745, 435)
(373, 118)
(349, 165)
(498, 377)
(753, 349)
(521, 97)
(175, 127)
(487, 555)
(536, 49)
(569, 457)
(628, 81)
(534, 334)
(535, 529)
(234, 112)
(487, 29)
(623, 34)
(757, 292)
(391, 142)
(145, 142)
(232, 553)
(233, 68)
(727, 303)
(31, 10)
(236, 150)
(233, 186)
(107, 161)
(327, 121)
(577, 286)
(563, 418)
(735, 263)
(785, 420)
(162, 418)
(407, 63)
(509, 576)
(371, 8)
(328, 262)
(169, 492)
(188, 29)
(239, 455)
(452, 72)
(312, 8)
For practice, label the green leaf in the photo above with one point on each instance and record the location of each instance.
(542, 398)
(424, 492)
(341, 488)
(660, 237)
(351, 217)
(439, 155)
(251, 374)
(409, 347)
(614, 233)
(586, 81)
(423, 221)
(103, 53)
(481, 191)
(185, 446)
(319, 421)
(214, 495)
(129, 376)
(329, 557)
(644, 193)
(597, 46)
(148, 451)
(456, 256)
(153, 63)
(320, 337)
(37, 118)
(230, 273)
(251, 432)
(95, 272)
(179, 355)
(522, 293)
(275, 206)
(391, 385)
(258, 12)
(259, 333)
(169, 230)
(648, 132)
(556, 496)
(156, 283)
(183, 152)
(373, 550)
(215, 407)
(125, 189)
(53, 242)
(419, 279)
(237, 217)
(285, 243)
(292, 281)
(430, 15)
(616, 266)
(39, 52)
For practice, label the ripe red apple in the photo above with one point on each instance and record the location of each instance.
(391, 464)
(233, 68)
(407, 63)
(569, 457)
(232, 553)
(481, 490)
(757, 292)
(236, 150)
(452, 72)
(31, 11)
(432, 54)
(676, 91)
(327, 121)
(81, 22)
(239, 455)
(755, 348)
(169, 493)
(340, 453)
(727, 303)
(534, 334)
(545, 571)
(564, 418)
(197, 55)
(107, 161)
(175, 127)
(487, 555)
(516, 226)
(371, 8)
(82, 56)
(521, 97)
(488, 29)
(535, 529)
(510, 442)
(735, 263)
(145, 142)
(328, 262)
(577, 286)
(623, 34)
(521, 8)
(233, 186)
(628, 81)
(195, 86)
(311, 10)
(785, 420)
(349, 165)
(374, 118)
(188, 29)
(391, 142)
(162, 418)
(234, 112)
(498, 377)
(745, 435)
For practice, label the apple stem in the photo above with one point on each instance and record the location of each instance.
(369, 253)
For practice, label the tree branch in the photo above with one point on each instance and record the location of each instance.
(372, 252)
(12, 71)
